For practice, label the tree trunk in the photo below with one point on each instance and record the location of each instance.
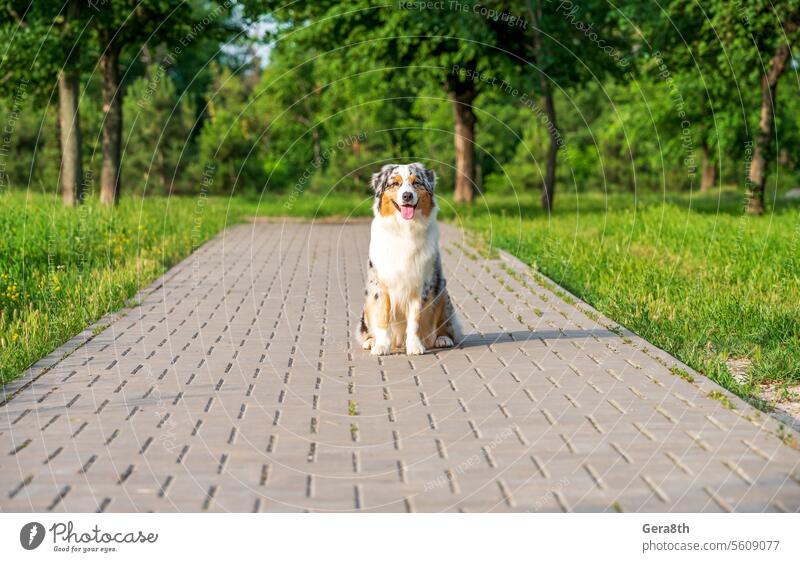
(710, 170)
(538, 51)
(69, 122)
(70, 130)
(462, 95)
(161, 170)
(549, 186)
(757, 179)
(112, 126)
(317, 147)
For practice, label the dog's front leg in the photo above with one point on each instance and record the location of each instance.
(413, 342)
(381, 322)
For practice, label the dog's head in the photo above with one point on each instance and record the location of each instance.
(404, 192)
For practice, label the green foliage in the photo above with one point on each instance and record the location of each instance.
(230, 139)
(716, 53)
(37, 40)
(30, 149)
(349, 86)
(159, 143)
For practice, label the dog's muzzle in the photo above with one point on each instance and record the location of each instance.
(407, 205)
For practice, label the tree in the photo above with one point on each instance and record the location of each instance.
(69, 81)
(779, 42)
(462, 95)
(128, 25)
(453, 47)
(36, 37)
(567, 44)
(743, 48)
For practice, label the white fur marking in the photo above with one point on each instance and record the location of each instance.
(383, 342)
(413, 343)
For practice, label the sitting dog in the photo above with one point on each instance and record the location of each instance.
(406, 299)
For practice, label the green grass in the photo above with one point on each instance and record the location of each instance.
(62, 269)
(309, 205)
(694, 276)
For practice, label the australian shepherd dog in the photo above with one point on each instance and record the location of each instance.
(407, 304)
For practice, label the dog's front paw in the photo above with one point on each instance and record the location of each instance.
(414, 346)
(382, 343)
(443, 341)
(381, 347)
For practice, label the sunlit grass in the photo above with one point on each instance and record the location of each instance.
(693, 275)
(62, 269)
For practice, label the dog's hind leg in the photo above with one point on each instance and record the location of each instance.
(375, 329)
(449, 331)
(444, 341)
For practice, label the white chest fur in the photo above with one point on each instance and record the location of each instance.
(404, 255)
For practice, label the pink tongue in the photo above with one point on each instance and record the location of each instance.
(407, 212)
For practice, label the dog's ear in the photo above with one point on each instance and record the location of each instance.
(381, 179)
(426, 175)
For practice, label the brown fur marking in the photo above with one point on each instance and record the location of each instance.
(387, 207)
(433, 320)
(425, 202)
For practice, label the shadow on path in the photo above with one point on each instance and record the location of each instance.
(476, 340)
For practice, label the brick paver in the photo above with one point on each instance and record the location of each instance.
(236, 385)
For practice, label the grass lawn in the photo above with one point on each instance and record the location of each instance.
(692, 275)
(62, 269)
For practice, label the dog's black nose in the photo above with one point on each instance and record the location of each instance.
(407, 197)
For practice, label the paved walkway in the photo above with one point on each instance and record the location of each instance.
(236, 386)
